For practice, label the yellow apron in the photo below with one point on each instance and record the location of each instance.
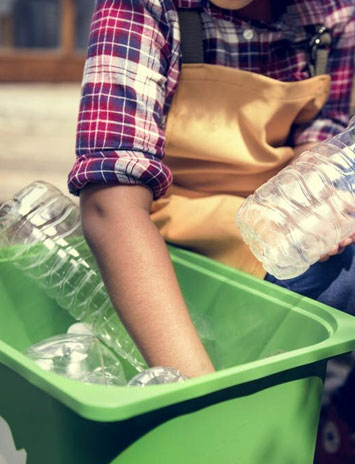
(226, 135)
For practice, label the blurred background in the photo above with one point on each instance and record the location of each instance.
(42, 51)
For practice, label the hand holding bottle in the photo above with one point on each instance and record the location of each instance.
(306, 212)
(337, 249)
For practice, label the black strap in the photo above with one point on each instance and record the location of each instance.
(191, 36)
(319, 50)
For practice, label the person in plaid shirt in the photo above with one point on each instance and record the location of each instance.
(132, 77)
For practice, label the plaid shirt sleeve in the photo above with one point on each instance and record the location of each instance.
(334, 116)
(130, 74)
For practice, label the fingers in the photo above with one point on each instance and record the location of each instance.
(334, 251)
(338, 248)
(344, 243)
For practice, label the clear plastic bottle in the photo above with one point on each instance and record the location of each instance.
(305, 210)
(158, 375)
(42, 232)
(79, 357)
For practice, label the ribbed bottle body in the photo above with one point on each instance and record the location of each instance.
(42, 228)
(305, 210)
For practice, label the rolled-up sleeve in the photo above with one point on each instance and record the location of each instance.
(130, 76)
(334, 116)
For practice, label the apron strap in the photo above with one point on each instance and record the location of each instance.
(319, 50)
(191, 36)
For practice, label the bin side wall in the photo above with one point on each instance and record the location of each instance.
(273, 419)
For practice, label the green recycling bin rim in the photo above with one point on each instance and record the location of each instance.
(111, 403)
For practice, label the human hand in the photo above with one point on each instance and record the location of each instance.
(338, 248)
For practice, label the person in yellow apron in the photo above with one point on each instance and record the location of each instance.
(226, 134)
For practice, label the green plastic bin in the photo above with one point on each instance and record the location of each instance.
(258, 408)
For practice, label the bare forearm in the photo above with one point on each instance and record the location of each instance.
(139, 276)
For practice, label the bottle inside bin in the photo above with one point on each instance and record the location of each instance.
(41, 228)
(305, 210)
(78, 356)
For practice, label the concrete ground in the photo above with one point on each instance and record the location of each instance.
(37, 134)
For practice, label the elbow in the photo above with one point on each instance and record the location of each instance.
(92, 219)
(104, 208)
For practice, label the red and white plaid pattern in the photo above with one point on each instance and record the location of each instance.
(133, 66)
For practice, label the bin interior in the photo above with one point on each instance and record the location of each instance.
(238, 326)
(255, 328)
(246, 325)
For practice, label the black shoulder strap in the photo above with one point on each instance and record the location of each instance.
(191, 36)
(319, 50)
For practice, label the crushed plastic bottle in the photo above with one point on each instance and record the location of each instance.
(305, 210)
(79, 357)
(157, 375)
(42, 232)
